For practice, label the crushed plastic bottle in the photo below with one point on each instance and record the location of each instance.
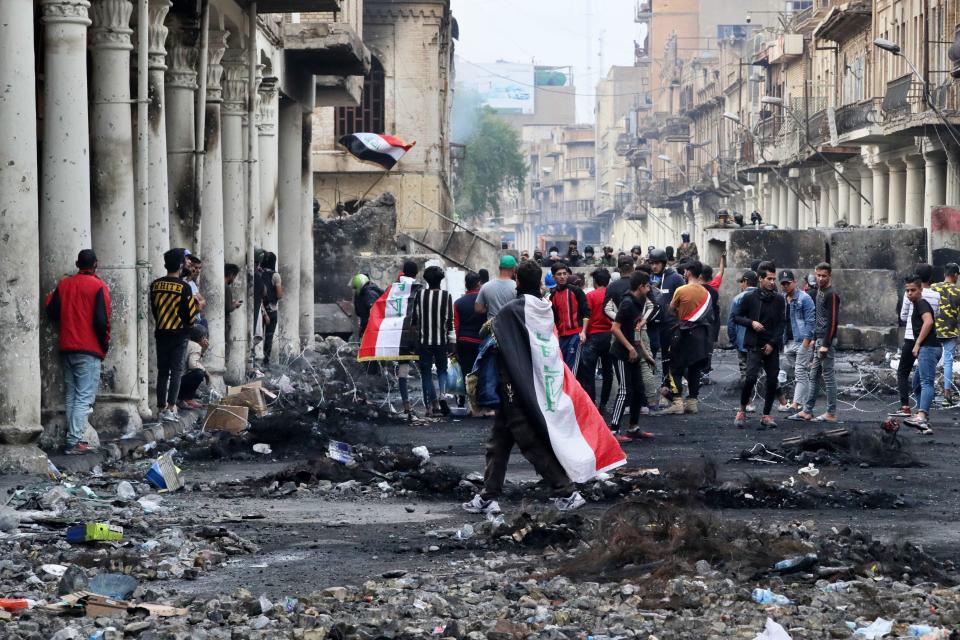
(465, 532)
(796, 563)
(765, 596)
(840, 586)
(496, 519)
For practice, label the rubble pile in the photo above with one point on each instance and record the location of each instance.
(848, 446)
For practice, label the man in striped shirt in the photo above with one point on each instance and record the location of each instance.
(433, 317)
(174, 309)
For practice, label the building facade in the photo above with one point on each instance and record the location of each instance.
(407, 93)
(208, 154)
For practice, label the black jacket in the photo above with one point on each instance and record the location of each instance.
(767, 309)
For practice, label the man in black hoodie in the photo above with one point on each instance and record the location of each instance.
(763, 313)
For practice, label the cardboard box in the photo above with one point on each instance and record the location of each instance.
(251, 395)
(227, 418)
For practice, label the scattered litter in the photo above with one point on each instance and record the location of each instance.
(422, 452)
(284, 384)
(262, 448)
(876, 629)
(55, 570)
(125, 490)
(341, 452)
(465, 532)
(164, 474)
(16, 604)
(94, 532)
(52, 472)
(773, 631)
(796, 564)
(113, 585)
(9, 519)
(151, 503)
(809, 470)
(765, 596)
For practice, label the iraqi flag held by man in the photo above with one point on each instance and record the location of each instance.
(555, 403)
(391, 334)
(377, 148)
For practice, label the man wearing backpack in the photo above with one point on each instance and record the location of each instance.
(365, 294)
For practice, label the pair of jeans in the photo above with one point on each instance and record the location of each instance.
(823, 367)
(596, 349)
(924, 377)
(171, 357)
(949, 347)
(511, 427)
(629, 387)
(770, 364)
(81, 375)
(268, 332)
(798, 365)
(430, 355)
(570, 351)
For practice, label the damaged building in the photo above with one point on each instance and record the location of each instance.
(135, 126)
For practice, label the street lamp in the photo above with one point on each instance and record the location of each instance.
(892, 47)
(778, 102)
(735, 119)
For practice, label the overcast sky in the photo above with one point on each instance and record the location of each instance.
(550, 32)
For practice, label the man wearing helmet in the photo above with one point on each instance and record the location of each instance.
(365, 293)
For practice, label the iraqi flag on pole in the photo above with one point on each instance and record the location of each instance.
(390, 333)
(377, 148)
(555, 403)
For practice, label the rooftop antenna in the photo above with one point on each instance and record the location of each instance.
(590, 82)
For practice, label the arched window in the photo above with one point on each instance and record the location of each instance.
(369, 116)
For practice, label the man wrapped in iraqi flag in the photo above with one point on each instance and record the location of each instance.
(543, 409)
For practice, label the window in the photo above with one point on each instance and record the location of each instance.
(369, 116)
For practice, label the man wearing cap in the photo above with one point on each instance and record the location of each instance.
(498, 292)
(687, 250)
(80, 305)
(736, 333)
(798, 352)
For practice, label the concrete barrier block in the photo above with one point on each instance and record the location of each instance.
(783, 246)
(945, 235)
(895, 249)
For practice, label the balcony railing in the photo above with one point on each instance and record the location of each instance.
(818, 128)
(861, 115)
(769, 129)
(676, 131)
(899, 97)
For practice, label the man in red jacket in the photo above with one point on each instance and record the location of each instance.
(80, 305)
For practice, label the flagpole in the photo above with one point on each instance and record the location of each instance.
(365, 193)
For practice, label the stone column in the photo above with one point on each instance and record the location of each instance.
(211, 207)
(897, 181)
(866, 187)
(773, 200)
(843, 200)
(19, 330)
(953, 176)
(784, 194)
(853, 206)
(65, 171)
(793, 206)
(159, 211)
(914, 191)
(114, 222)
(306, 237)
(287, 340)
(267, 117)
(833, 211)
(180, 91)
(823, 204)
(881, 192)
(234, 209)
(935, 188)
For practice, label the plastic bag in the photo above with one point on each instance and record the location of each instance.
(455, 383)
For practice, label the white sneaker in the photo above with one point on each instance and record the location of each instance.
(751, 408)
(479, 505)
(785, 408)
(573, 501)
(169, 416)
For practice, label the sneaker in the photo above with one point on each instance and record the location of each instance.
(691, 405)
(622, 437)
(767, 422)
(902, 412)
(169, 416)
(785, 408)
(79, 449)
(636, 432)
(479, 505)
(751, 408)
(740, 421)
(573, 501)
(920, 424)
(444, 408)
(705, 381)
(948, 402)
(644, 411)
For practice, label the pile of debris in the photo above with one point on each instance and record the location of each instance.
(846, 446)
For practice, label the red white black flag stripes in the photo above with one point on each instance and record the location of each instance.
(390, 333)
(555, 403)
(377, 148)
